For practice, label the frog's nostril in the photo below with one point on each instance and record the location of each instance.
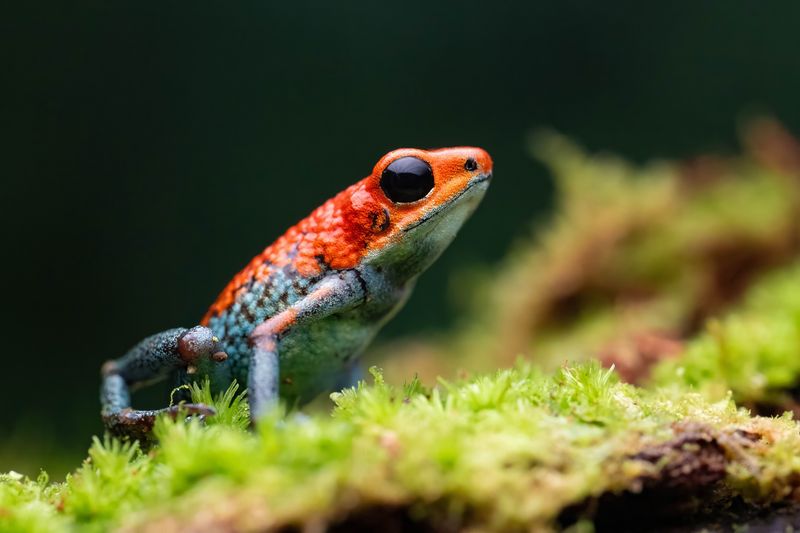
(482, 158)
(471, 164)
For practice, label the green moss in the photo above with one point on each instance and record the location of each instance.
(503, 451)
(752, 352)
(27, 505)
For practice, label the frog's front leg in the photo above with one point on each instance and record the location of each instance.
(148, 362)
(339, 292)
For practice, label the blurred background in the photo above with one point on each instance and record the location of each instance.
(149, 151)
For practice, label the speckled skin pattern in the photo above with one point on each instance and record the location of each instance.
(294, 321)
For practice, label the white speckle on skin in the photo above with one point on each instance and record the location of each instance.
(359, 198)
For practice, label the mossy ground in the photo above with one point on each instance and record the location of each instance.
(543, 444)
(509, 451)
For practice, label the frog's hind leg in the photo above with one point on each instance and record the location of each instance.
(152, 360)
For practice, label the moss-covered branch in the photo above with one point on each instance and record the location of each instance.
(514, 450)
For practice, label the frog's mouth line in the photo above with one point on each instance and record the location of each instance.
(432, 213)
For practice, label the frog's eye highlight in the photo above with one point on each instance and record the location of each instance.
(407, 179)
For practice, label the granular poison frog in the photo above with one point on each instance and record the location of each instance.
(294, 321)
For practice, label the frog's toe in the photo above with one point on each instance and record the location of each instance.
(191, 409)
(130, 423)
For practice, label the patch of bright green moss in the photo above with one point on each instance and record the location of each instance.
(505, 451)
(754, 352)
(30, 505)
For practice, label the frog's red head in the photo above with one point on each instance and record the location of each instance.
(409, 209)
(414, 185)
(401, 216)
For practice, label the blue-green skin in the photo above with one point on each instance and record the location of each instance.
(337, 314)
(318, 355)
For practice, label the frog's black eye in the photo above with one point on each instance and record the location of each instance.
(407, 179)
(471, 165)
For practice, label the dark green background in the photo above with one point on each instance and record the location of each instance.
(151, 148)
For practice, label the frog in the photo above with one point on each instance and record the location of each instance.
(294, 322)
